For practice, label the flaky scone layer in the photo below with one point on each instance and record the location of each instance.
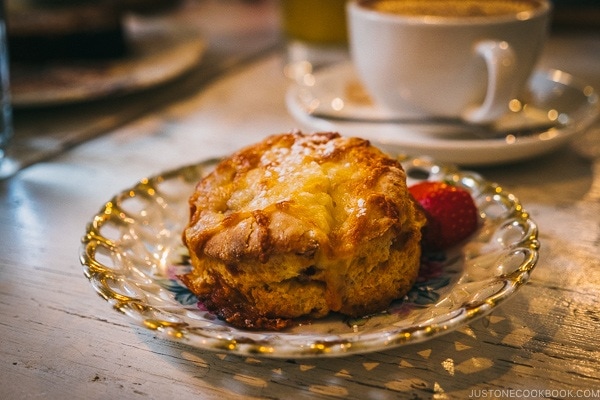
(299, 226)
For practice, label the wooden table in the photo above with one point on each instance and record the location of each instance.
(58, 339)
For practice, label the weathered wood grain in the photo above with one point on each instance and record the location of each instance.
(58, 339)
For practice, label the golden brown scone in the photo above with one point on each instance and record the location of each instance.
(299, 226)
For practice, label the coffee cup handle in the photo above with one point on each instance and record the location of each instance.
(501, 67)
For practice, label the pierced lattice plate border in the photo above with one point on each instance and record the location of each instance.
(132, 253)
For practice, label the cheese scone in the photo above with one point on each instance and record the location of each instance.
(298, 226)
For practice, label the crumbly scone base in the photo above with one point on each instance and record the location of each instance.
(299, 226)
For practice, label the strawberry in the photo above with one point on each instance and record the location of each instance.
(451, 214)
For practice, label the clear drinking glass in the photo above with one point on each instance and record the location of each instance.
(316, 34)
(6, 128)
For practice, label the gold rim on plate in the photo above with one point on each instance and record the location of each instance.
(132, 252)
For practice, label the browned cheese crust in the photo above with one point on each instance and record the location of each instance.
(298, 226)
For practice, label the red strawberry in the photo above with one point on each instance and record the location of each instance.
(451, 214)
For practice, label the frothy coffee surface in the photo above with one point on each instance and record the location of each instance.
(452, 8)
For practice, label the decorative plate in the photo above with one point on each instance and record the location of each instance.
(159, 52)
(132, 254)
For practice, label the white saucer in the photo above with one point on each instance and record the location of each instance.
(554, 95)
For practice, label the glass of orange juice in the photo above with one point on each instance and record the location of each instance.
(315, 32)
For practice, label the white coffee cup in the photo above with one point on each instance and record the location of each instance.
(455, 66)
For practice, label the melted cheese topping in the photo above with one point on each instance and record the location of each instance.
(311, 190)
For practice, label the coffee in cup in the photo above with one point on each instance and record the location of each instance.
(453, 8)
(452, 58)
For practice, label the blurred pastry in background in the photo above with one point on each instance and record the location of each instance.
(41, 30)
